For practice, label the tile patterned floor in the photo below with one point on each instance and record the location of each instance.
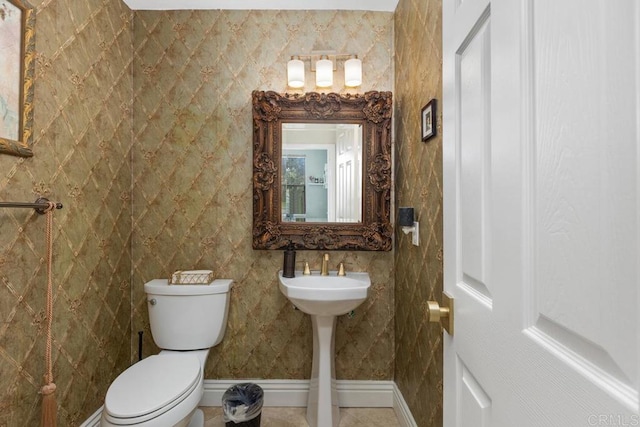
(295, 417)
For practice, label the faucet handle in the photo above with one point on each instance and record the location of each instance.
(307, 270)
(341, 269)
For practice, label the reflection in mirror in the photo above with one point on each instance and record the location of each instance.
(321, 172)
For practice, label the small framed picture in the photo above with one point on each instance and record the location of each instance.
(429, 120)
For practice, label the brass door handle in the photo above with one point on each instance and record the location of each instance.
(444, 314)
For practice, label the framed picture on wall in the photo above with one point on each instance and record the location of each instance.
(428, 119)
(17, 61)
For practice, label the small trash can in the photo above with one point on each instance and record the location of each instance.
(242, 405)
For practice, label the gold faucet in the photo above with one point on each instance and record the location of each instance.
(341, 271)
(325, 265)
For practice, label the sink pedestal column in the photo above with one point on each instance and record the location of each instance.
(322, 407)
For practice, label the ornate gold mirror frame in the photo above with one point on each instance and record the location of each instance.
(373, 111)
(17, 53)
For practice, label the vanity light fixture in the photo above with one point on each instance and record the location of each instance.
(324, 64)
(405, 220)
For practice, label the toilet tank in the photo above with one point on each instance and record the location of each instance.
(187, 317)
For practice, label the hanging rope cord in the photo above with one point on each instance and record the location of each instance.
(49, 386)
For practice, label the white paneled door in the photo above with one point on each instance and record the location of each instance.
(541, 200)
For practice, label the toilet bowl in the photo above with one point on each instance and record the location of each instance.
(161, 390)
(164, 390)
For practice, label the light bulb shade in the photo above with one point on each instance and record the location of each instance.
(324, 73)
(353, 72)
(295, 73)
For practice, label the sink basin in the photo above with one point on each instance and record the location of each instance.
(330, 295)
(324, 298)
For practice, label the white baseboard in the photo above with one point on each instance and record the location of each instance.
(287, 393)
(401, 409)
(276, 392)
(351, 394)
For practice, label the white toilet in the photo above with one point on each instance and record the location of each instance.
(164, 390)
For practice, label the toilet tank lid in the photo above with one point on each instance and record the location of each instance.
(162, 287)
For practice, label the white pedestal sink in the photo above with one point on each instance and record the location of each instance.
(324, 298)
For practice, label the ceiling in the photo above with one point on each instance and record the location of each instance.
(375, 5)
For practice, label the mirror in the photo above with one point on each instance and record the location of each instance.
(17, 50)
(322, 171)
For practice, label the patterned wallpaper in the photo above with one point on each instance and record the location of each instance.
(192, 170)
(81, 150)
(179, 86)
(418, 277)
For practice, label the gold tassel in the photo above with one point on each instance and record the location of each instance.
(49, 405)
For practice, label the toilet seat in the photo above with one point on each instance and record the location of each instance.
(152, 387)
